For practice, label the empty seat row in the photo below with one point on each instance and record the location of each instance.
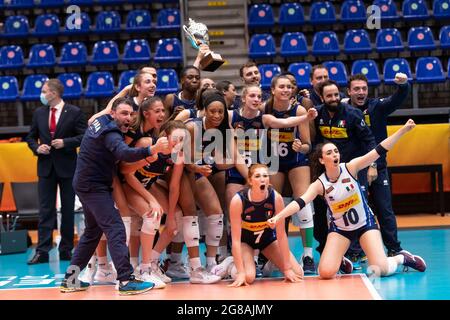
(105, 22)
(428, 70)
(355, 41)
(103, 52)
(98, 85)
(323, 12)
(30, 4)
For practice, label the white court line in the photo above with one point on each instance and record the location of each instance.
(370, 287)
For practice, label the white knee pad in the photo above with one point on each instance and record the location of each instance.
(127, 224)
(135, 227)
(303, 218)
(214, 229)
(179, 237)
(190, 231)
(150, 224)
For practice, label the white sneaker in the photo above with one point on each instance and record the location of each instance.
(148, 276)
(223, 269)
(88, 274)
(201, 276)
(105, 274)
(156, 270)
(177, 270)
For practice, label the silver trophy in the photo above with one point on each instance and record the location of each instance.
(197, 33)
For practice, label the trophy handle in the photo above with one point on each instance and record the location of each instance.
(191, 37)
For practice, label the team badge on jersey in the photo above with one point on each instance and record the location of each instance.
(350, 188)
(341, 124)
(329, 189)
(346, 180)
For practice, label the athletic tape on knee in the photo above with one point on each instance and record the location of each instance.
(190, 231)
(214, 229)
(303, 218)
(135, 227)
(150, 224)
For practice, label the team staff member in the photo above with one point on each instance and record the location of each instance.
(344, 126)
(102, 146)
(376, 111)
(56, 132)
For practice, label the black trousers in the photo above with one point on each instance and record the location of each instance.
(102, 217)
(47, 188)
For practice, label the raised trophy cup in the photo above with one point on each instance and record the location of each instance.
(197, 33)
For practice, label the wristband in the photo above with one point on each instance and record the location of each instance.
(301, 203)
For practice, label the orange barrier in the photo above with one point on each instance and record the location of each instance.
(426, 144)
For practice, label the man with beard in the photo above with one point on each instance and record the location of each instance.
(376, 111)
(344, 126)
(101, 148)
(186, 98)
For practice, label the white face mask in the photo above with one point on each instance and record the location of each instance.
(43, 99)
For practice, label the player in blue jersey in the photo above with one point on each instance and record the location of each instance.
(349, 215)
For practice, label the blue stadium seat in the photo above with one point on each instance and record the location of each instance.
(293, 44)
(388, 10)
(444, 37)
(322, 13)
(107, 22)
(357, 41)
(46, 25)
(389, 40)
(105, 52)
(337, 72)
(73, 86)
(368, 68)
(291, 14)
(109, 2)
(261, 46)
(73, 54)
(168, 50)
(126, 78)
(260, 15)
(100, 85)
(429, 69)
(301, 71)
(11, 57)
(441, 9)
(138, 20)
(268, 71)
(16, 26)
(167, 81)
(42, 55)
(394, 65)
(415, 10)
(168, 19)
(32, 87)
(420, 38)
(10, 88)
(51, 3)
(325, 43)
(353, 11)
(19, 4)
(136, 51)
(78, 25)
(81, 2)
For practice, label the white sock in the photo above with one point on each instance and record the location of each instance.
(307, 252)
(195, 263)
(102, 261)
(211, 261)
(175, 257)
(155, 255)
(134, 262)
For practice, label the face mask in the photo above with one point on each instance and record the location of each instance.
(43, 99)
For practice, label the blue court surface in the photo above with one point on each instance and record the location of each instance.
(434, 284)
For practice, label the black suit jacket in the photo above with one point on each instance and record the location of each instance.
(71, 126)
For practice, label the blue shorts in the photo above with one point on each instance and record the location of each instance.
(288, 165)
(264, 240)
(233, 176)
(354, 234)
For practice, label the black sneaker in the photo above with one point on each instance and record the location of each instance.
(308, 265)
(412, 261)
(346, 266)
(66, 287)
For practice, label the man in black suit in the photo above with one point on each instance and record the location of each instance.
(56, 131)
